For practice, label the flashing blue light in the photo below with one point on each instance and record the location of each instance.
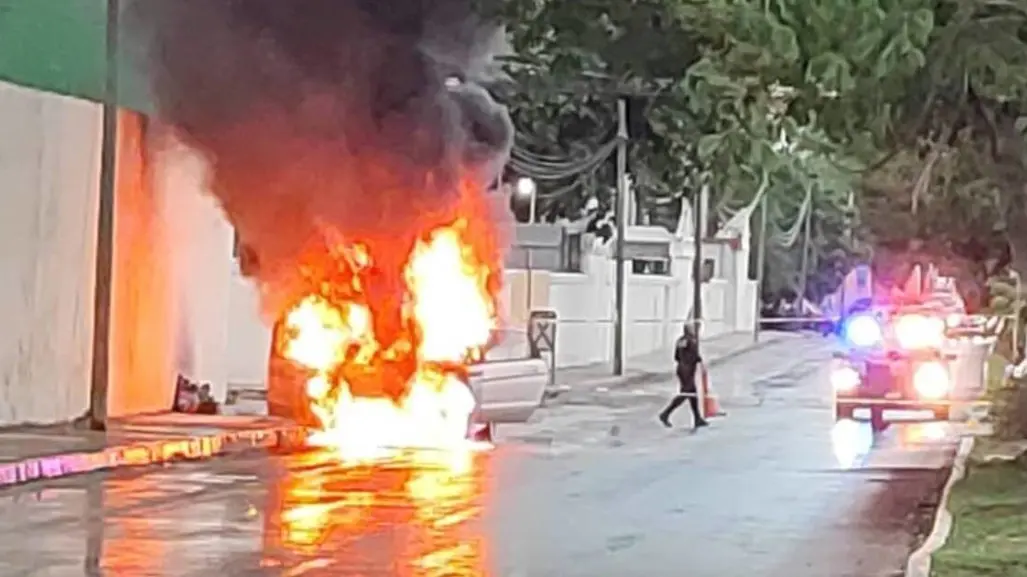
(863, 331)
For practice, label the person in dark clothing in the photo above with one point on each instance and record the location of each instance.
(686, 355)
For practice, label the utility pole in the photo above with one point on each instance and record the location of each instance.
(804, 268)
(621, 215)
(761, 258)
(697, 262)
(99, 386)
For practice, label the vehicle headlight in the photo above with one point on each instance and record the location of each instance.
(863, 331)
(916, 332)
(931, 380)
(845, 378)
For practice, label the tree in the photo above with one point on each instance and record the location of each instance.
(915, 104)
(716, 81)
(926, 95)
(573, 60)
(952, 165)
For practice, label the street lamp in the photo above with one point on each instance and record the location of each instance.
(526, 187)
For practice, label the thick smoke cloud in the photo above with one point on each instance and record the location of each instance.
(326, 117)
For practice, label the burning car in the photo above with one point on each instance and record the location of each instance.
(373, 366)
(505, 391)
(350, 145)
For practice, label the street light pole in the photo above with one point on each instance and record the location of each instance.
(620, 214)
(100, 375)
(761, 257)
(526, 187)
(697, 262)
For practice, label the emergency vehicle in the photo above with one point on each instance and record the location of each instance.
(895, 356)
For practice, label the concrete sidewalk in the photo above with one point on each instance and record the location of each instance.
(659, 366)
(33, 453)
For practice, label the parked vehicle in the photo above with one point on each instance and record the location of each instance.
(795, 316)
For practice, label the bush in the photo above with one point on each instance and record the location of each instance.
(1006, 302)
(1008, 397)
(1009, 410)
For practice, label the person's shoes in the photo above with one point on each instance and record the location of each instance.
(666, 421)
(701, 423)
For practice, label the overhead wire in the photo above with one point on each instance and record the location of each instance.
(527, 164)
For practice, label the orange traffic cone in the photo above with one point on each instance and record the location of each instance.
(710, 406)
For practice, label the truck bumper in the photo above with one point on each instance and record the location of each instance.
(847, 406)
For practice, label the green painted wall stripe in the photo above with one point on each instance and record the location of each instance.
(59, 46)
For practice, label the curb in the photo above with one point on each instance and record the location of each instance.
(146, 453)
(919, 563)
(612, 382)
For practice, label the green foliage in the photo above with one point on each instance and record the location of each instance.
(735, 94)
(954, 165)
(919, 106)
(1007, 301)
(713, 82)
(987, 510)
(1009, 407)
(573, 58)
(786, 69)
(61, 47)
(947, 209)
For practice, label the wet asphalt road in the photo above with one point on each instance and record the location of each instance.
(595, 488)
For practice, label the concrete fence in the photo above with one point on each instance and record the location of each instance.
(171, 263)
(656, 307)
(49, 191)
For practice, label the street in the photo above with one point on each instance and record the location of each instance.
(595, 487)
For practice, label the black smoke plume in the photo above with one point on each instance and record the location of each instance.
(326, 117)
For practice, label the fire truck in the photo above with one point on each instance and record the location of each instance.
(895, 356)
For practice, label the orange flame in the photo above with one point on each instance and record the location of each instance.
(448, 313)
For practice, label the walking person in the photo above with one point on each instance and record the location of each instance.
(686, 355)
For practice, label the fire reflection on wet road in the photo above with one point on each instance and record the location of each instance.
(296, 515)
(412, 517)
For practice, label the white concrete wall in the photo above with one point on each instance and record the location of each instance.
(203, 268)
(657, 306)
(172, 274)
(746, 317)
(249, 339)
(172, 259)
(49, 169)
(585, 305)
